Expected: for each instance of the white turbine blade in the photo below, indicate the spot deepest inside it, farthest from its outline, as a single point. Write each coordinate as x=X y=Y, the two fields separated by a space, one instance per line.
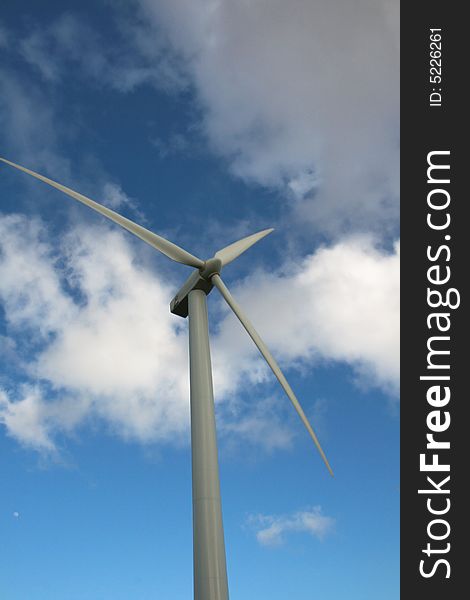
x=217 y=281
x=168 y=248
x=229 y=253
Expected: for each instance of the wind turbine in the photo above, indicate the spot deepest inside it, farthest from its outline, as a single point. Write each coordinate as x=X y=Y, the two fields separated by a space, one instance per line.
x=210 y=572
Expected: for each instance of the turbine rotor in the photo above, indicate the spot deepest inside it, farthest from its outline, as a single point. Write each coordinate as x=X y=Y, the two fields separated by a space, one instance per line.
x=211 y=267
x=205 y=276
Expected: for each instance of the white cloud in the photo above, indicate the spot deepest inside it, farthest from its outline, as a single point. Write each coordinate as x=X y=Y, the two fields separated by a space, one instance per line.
x=124 y=346
x=300 y=96
x=25 y=419
x=105 y=346
x=30 y=289
x=272 y=529
x=33 y=419
x=293 y=92
x=341 y=303
x=115 y=197
x=108 y=345
x=110 y=340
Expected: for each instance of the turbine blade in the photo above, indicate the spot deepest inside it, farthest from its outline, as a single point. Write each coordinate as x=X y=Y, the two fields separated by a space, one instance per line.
x=229 y=253
x=219 y=284
x=164 y=246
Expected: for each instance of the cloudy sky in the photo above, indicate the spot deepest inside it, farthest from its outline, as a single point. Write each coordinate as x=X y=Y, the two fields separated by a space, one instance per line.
x=204 y=121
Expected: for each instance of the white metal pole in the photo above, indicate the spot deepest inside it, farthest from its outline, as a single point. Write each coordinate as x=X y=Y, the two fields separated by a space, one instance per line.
x=210 y=571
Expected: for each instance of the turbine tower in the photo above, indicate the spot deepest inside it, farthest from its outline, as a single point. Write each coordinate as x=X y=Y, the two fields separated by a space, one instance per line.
x=210 y=572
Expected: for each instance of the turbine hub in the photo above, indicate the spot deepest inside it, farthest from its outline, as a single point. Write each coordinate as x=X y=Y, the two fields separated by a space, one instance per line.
x=211 y=267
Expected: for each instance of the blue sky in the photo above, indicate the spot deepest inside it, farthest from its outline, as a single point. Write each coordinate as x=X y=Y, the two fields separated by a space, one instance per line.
x=203 y=121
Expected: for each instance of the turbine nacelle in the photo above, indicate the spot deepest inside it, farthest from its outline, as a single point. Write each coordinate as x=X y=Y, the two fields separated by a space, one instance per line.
x=200 y=279
x=179 y=305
